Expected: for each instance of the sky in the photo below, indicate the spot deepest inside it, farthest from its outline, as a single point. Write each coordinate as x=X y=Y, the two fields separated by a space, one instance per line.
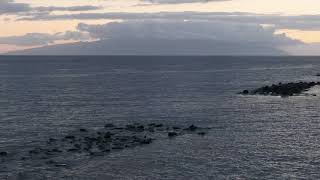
x=292 y=26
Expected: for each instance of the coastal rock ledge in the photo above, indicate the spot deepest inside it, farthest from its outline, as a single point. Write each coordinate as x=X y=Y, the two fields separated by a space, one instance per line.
x=282 y=89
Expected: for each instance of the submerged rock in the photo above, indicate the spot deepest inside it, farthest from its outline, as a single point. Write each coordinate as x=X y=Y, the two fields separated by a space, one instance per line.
x=245 y=92
x=202 y=133
x=69 y=137
x=101 y=141
x=83 y=130
x=3 y=153
x=191 y=128
x=158 y=125
x=110 y=125
x=172 y=134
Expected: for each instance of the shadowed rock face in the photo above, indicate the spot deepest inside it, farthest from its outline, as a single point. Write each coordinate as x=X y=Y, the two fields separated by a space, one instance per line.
x=101 y=142
x=284 y=90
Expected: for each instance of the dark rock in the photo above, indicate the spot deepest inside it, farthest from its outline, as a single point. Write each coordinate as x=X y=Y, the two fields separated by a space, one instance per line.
x=202 y=133
x=60 y=165
x=83 y=130
x=73 y=150
x=69 y=137
x=107 y=135
x=281 y=89
x=146 y=141
x=151 y=129
x=117 y=147
x=192 y=128
x=55 y=150
x=123 y=138
x=52 y=140
x=130 y=127
x=158 y=125
x=172 y=134
x=100 y=142
x=77 y=146
x=86 y=148
x=3 y=153
x=91 y=139
x=245 y=92
x=110 y=125
x=135 y=128
x=96 y=153
x=51 y=162
x=101 y=147
x=56 y=164
x=36 y=151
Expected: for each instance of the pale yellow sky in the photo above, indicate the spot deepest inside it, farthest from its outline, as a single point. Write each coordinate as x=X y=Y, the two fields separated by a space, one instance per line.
x=284 y=7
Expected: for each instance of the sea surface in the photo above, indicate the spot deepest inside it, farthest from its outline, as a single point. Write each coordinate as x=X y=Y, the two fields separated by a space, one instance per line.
x=252 y=137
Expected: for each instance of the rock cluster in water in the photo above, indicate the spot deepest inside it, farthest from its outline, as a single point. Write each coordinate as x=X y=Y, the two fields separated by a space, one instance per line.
x=286 y=89
x=105 y=140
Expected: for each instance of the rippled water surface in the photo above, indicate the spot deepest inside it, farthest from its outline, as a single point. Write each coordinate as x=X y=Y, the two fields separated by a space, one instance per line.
x=253 y=137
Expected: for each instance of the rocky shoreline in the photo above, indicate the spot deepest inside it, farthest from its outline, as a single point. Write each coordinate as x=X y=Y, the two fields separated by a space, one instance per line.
x=103 y=141
x=282 y=89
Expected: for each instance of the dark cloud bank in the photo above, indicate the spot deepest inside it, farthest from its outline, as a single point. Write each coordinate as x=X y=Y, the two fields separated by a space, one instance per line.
x=164 y=37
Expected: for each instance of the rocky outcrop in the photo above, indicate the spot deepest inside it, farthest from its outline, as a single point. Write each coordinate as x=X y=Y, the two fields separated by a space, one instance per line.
x=284 y=90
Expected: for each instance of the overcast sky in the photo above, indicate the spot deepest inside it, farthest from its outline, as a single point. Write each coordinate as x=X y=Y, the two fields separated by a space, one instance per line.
x=289 y=25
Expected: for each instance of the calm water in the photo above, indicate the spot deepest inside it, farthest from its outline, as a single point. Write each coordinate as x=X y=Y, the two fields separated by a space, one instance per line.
x=253 y=137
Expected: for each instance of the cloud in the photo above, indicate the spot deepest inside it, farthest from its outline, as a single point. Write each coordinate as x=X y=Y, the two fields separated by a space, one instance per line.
x=8 y=6
x=160 y=37
x=195 y=30
x=301 y=22
x=71 y=8
x=312 y=49
x=181 y=1
x=40 y=39
x=191 y=29
x=14 y=8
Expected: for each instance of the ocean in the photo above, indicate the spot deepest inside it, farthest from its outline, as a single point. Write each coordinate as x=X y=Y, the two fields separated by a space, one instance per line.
x=251 y=137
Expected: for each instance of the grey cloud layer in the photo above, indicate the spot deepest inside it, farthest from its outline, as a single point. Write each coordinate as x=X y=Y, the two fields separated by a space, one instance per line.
x=194 y=29
x=8 y=6
x=198 y=30
x=11 y=7
x=303 y=22
x=39 y=39
x=181 y=1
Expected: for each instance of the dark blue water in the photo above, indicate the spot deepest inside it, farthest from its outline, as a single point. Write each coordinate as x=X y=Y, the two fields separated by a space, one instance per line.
x=253 y=137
